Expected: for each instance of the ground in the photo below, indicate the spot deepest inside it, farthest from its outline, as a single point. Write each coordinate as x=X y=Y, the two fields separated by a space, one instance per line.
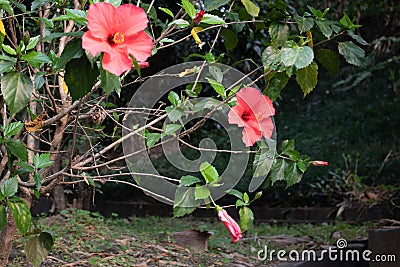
x=89 y=239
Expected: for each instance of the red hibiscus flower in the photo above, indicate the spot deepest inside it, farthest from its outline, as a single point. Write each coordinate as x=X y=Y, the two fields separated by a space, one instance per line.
x=253 y=112
x=119 y=33
x=231 y=225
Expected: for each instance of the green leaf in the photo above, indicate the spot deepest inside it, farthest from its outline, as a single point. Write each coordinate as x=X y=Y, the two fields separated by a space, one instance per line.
x=3 y=217
x=80 y=77
x=303 y=23
x=17 y=90
x=275 y=85
x=347 y=23
x=307 y=78
x=166 y=10
x=32 y=42
x=246 y=198
x=6 y=64
x=181 y=23
x=110 y=82
x=325 y=27
x=46 y=240
x=188 y=180
x=251 y=8
x=9 y=50
x=115 y=3
x=9 y=187
x=21 y=213
x=300 y=57
x=293 y=174
x=246 y=218
x=72 y=50
x=184 y=201
x=18 y=149
x=35 y=59
x=263 y=161
x=202 y=192
x=235 y=193
x=174 y=98
x=174 y=113
x=279 y=34
x=38 y=180
x=352 y=53
x=329 y=60
x=218 y=87
x=270 y=56
x=209 y=173
x=214 y=4
x=42 y=160
x=216 y=73
x=287 y=146
x=170 y=129
x=152 y=139
x=12 y=129
x=240 y=203
x=5 y=4
x=212 y=19
x=39 y=3
x=189 y=8
x=35 y=251
x=78 y=16
x=57 y=35
x=230 y=38
x=278 y=171
x=357 y=38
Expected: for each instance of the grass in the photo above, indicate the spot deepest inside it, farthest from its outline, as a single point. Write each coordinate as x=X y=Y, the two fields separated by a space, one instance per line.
x=83 y=238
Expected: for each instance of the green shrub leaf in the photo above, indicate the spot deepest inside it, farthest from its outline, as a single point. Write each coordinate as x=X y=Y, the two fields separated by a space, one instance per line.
x=17 y=90
x=21 y=213
x=352 y=53
x=307 y=78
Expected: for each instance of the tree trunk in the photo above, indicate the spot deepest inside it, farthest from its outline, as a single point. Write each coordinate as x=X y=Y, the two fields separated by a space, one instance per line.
x=6 y=239
x=59 y=198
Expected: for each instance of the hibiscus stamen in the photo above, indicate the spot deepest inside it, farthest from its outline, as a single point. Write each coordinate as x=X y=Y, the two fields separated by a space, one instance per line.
x=117 y=38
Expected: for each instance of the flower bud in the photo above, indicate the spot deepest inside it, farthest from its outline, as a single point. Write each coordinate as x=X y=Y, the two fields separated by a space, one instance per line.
x=26 y=38
x=319 y=163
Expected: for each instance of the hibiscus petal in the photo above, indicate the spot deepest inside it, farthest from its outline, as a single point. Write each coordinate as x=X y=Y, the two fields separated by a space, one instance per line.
x=256 y=102
x=250 y=135
x=266 y=127
x=101 y=20
x=130 y=19
x=94 y=45
x=139 y=46
x=235 y=116
x=116 y=62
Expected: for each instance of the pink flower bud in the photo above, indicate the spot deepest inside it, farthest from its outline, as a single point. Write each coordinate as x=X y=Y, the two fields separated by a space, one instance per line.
x=144 y=65
x=198 y=17
x=231 y=225
x=319 y=163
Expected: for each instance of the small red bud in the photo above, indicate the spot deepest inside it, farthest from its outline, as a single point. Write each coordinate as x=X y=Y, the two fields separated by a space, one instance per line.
x=319 y=163
x=198 y=17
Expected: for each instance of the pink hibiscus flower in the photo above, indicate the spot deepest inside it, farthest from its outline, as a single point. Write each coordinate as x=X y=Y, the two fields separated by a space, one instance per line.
x=231 y=225
x=253 y=112
x=119 y=33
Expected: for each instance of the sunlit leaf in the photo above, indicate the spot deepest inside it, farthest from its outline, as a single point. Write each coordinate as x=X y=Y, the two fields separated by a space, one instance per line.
x=21 y=213
x=352 y=53
x=17 y=90
x=246 y=218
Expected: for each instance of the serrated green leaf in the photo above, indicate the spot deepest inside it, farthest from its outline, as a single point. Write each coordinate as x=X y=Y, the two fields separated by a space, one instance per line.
x=174 y=113
x=218 y=87
x=235 y=193
x=188 y=180
x=35 y=59
x=230 y=38
x=72 y=50
x=209 y=173
x=287 y=146
x=357 y=38
x=304 y=23
x=3 y=217
x=307 y=78
x=263 y=161
x=279 y=34
x=167 y=11
x=21 y=214
x=216 y=73
x=270 y=56
x=352 y=53
x=246 y=218
x=212 y=19
x=293 y=174
x=9 y=187
x=189 y=8
x=110 y=82
x=35 y=251
x=12 y=129
x=7 y=65
x=170 y=129
x=42 y=161
x=251 y=8
x=174 y=98
x=17 y=90
x=300 y=57
x=214 y=4
x=18 y=149
x=202 y=192
x=152 y=139
x=80 y=76
x=325 y=27
x=181 y=23
x=275 y=85
x=278 y=171
x=184 y=201
x=329 y=60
